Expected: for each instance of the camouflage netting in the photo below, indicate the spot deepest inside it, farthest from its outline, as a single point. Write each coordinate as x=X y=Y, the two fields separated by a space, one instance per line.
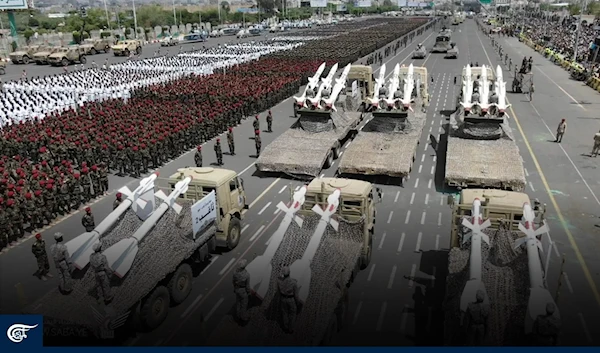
x=304 y=148
x=331 y=268
x=483 y=155
x=505 y=276
x=385 y=146
x=161 y=251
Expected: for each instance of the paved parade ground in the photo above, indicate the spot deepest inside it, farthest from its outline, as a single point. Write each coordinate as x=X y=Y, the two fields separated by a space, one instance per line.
x=398 y=299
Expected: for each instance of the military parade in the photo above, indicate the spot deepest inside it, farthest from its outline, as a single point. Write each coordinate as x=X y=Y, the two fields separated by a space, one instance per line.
x=389 y=158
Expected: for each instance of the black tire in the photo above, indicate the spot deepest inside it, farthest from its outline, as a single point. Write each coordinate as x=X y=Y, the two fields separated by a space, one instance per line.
x=329 y=160
x=233 y=233
x=2 y=71
x=138 y=50
x=93 y=51
x=25 y=60
x=64 y=62
x=82 y=59
x=332 y=329
x=155 y=308
x=365 y=258
x=180 y=284
x=126 y=52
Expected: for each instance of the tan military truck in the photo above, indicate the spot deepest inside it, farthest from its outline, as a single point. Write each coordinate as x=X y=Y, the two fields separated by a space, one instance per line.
x=126 y=47
x=162 y=272
x=41 y=57
x=25 y=54
x=363 y=75
x=67 y=56
x=94 y=46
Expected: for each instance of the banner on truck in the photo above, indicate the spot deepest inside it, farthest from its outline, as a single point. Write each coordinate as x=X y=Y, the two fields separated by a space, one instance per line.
x=204 y=212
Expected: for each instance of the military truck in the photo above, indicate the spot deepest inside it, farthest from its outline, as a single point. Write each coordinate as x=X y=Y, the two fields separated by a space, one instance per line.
x=94 y=46
x=67 y=56
x=481 y=150
x=388 y=142
x=2 y=67
x=25 y=54
x=363 y=75
x=338 y=259
x=126 y=47
x=162 y=272
x=442 y=41
x=41 y=57
x=452 y=53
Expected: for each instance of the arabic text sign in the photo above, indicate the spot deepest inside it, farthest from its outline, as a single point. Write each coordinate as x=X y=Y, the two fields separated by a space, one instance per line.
x=318 y=3
x=13 y=5
x=204 y=212
x=362 y=3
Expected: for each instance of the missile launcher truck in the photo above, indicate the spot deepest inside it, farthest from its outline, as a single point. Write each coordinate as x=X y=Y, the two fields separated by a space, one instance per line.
x=481 y=150
x=498 y=266
x=388 y=142
x=161 y=271
x=338 y=258
x=314 y=141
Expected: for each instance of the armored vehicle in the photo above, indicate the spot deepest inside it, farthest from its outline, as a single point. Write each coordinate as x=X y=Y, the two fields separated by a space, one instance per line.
x=25 y=54
x=206 y=214
x=420 y=52
x=481 y=148
x=388 y=142
x=169 y=42
x=67 y=56
x=126 y=47
x=452 y=53
x=334 y=263
x=94 y=46
x=442 y=41
x=41 y=57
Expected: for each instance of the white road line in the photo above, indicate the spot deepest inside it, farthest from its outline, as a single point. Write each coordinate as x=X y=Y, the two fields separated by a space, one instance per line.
x=441 y=200
x=436 y=109
x=371 y=273
x=189 y=308
x=397 y=195
x=569 y=286
x=212 y=311
x=526 y=172
x=297 y=188
x=407 y=217
x=257 y=233
x=404 y=319
x=419 y=237
x=277 y=210
x=390 y=217
x=426 y=199
x=322 y=175
x=226 y=267
x=420 y=168
x=429 y=183
x=423 y=218
x=245 y=227
x=531 y=187
x=356 y=313
x=246 y=169
x=417 y=183
x=433 y=277
x=392 y=277
x=401 y=241
x=381 y=316
x=585 y=328
x=282 y=189
x=432 y=170
x=422 y=158
x=430 y=128
x=440 y=130
x=434 y=158
x=437 y=242
x=212 y=261
x=440 y=219
x=413 y=270
x=382 y=239
x=412 y=198
x=556 y=250
x=264 y=208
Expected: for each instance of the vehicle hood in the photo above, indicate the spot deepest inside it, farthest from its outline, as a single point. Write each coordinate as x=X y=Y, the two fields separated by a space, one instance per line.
x=41 y=54
x=19 y=53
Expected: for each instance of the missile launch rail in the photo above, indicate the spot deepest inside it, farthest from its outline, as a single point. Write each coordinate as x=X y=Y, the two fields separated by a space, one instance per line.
x=339 y=258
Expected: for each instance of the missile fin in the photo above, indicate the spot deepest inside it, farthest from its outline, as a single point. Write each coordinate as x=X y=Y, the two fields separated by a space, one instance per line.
x=467 y=224
x=485 y=238
x=161 y=195
x=523 y=229
x=282 y=207
x=177 y=208
x=317 y=209
x=519 y=242
x=141 y=203
x=542 y=230
x=335 y=224
x=467 y=237
x=125 y=190
x=299 y=221
x=486 y=224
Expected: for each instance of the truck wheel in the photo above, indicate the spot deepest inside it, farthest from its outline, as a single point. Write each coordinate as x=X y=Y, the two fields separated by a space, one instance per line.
x=82 y=59
x=107 y=49
x=233 y=233
x=155 y=308
x=138 y=50
x=180 y=284
x=365 y=258
x=332 y=329
x=329 y=160
x=93 y=51
x=25 y=60
x=64 y=62
x=126 y=52
x=2 y=71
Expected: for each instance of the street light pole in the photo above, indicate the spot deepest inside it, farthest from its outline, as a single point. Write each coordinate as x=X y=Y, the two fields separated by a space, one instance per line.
x=174 y=14
x=134 y=20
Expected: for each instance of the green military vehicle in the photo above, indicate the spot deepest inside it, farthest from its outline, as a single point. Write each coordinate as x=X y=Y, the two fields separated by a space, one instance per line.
x=41 y=57
x=67 y=56
x=95 y=46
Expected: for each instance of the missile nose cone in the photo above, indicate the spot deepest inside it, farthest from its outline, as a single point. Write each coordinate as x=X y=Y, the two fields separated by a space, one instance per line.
x=157 y=173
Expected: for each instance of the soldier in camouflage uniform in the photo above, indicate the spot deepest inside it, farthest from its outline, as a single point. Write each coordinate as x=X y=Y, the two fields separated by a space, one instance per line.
x=38 y=248
x=76 y=191
x=219 y=152
x=50 y=203
x=103 y=177
x=477 y=316
x=257 y=142
x=4 y=227
x=99 y=265
x=64 y=198
x=118 y=200
x=16 y=220
x=145 y=158
x=546 y=327
x=269 y=122
x=95 y=177
x=136 y=161
x=241 y=288
x=62 y=261
x=86 y=185
x=288 y=292
x=230 y=141
x=198 y=156
x=88 y=220
x=256 y=125
x=121 y=161
x=154 y=154
x=35 y=221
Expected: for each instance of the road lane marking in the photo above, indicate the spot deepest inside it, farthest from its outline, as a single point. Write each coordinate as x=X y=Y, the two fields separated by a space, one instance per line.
x=412 y=198
x=212 y=261
x=432 y=170
x=322 y=175
x=434 y=159
x=531 y=187
x=371 y=273
x=189 y=308
x=407 y=217
x=282 y=189
x=585 y=328
x=417 y=183
x=246 y=169
x=526 y=172
x=426 y=199
x=264 y=208
x=245 y=227
x=437 y=242
x=257 y=233
x=401 y=241
x=392 y=277
x=422 y=158
x=264 y=193
x=429 y=183
x=423 y=218
x=441 y=200
x=390 y=216
x=420 y=168
x=419 y=237
x=440 y=219
x=226 y=267
x=382 y=240
x=413 y=270
x=569 y=286
x=381 y=316
x=357 y=312
x=397 y=195
x=214 y=308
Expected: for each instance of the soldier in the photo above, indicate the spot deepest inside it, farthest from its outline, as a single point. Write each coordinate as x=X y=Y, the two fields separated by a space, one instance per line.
x=477 y=320
x=76 y=190
x=241 y=288
x=560 y=131
x=256 y=125
x=88 y=220
x=230 y=142
x=86 y=184
x=35 y=221
x=269 y=122
x=257 y=142
x=38 y=248
x=62 y=261
x=145 y=158
x=118 y=200
x=596 y=148
x=121 y=157
x=219 y=152
x=288 y=291
x=198 y=157
x=137 y=162
x=64 y=199
x=546 y=327
x=16 y=220
x=99 y=264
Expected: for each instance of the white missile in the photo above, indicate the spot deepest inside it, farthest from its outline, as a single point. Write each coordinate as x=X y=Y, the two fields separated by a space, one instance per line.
x=539 y=296
x=300 y=269
x=485 y=90
x=476 y=225
x=121 y=255
x=409 y=85
x=379 y=82
x=394 y=84
x=501 y=91
x=467 y=88
x=80 y=248
x=260 y=268
x=312 y=83
x=327 y=81
x=340 y=84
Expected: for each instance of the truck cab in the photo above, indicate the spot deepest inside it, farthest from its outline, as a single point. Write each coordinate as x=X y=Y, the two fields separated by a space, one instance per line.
x=230 y=198
x=363 y=75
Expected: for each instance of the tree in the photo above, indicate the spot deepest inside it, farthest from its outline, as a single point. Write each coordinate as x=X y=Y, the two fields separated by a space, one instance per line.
x=225 y=7
x=388 y=3
x=28 y=34
x=574 y=9
x=33 y=22
x=267 y=5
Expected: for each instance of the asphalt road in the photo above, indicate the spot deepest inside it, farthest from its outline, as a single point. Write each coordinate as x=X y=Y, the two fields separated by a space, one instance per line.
x=412 y=232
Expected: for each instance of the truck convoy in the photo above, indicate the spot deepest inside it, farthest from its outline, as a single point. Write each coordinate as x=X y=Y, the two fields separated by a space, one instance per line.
x=314 y=141
x=497 y=249
x=442 y=41
x=481 y=148
x=388 y=142
x=325 y=238
x=151 y=242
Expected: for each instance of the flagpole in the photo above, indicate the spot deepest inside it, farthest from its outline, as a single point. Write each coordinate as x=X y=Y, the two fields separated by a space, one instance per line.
x=107 y=18
x=134 y=20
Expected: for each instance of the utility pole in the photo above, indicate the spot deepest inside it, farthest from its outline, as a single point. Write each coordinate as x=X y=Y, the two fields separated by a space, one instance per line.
x=83 y=14
x=107 y=18
x=174 y=14
x=134 y=20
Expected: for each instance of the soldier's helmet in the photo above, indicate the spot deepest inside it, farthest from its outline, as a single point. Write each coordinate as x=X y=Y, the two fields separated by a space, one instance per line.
x=285 y=272
x=119 y=195
x=199 y=148
x=88 y=209
x=230 y=129
x=97 y=247
x=218 y=140
x=242 y=264
x=38 y=236
x=58 y=236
